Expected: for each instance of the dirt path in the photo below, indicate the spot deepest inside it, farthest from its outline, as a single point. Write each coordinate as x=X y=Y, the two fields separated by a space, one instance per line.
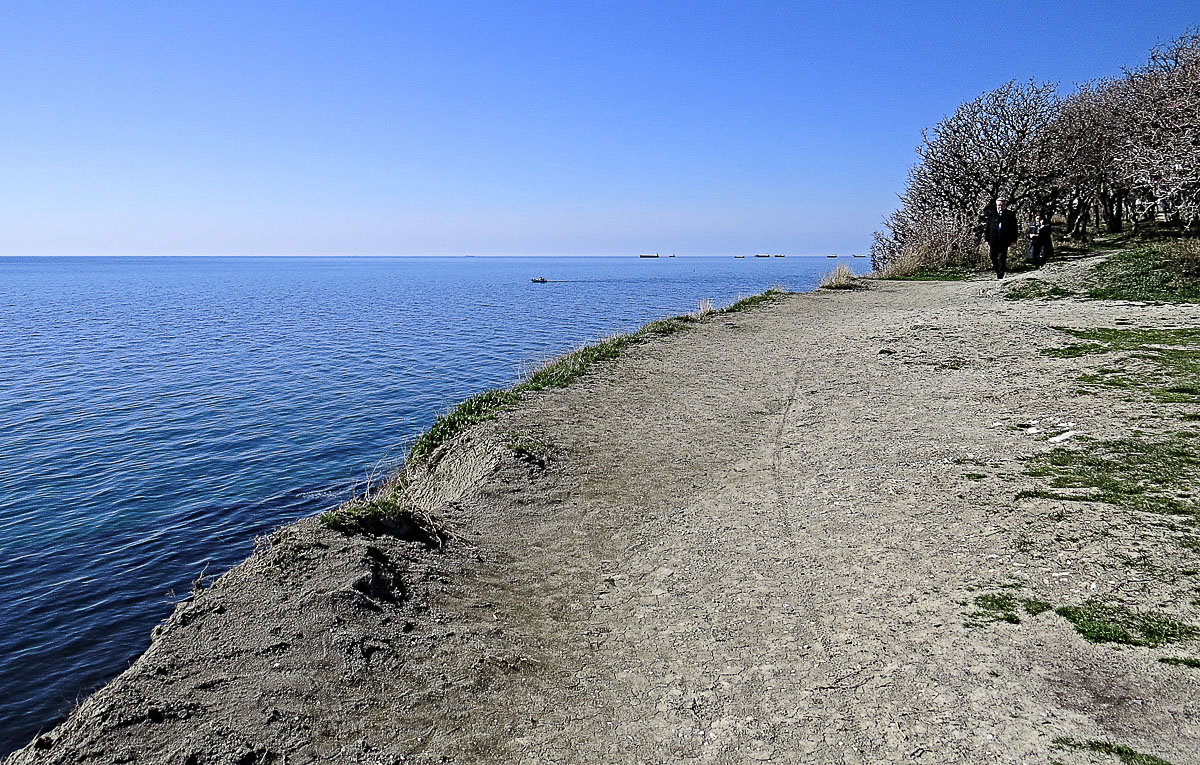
x=756 y=540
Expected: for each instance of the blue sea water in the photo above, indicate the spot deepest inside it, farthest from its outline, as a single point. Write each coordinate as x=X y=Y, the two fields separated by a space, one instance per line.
x=157 y=414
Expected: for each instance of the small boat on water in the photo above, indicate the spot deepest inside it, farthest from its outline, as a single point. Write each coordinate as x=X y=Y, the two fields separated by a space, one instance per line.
x=860 y=256
x=763 y=255
x=779 y=256
x=831 y=256
x=671 y=255
x=736 y=257
x=539 y=280
x=648 y=255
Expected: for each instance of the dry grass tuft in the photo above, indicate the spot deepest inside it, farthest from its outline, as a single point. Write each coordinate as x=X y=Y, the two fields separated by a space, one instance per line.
x=706 y=307
x=906 y=264
x=842 y=278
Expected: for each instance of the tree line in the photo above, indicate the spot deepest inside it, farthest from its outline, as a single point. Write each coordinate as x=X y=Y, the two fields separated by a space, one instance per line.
x=1115 y=153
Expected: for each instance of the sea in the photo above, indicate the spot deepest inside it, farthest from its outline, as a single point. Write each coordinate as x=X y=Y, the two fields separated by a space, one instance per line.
x=157 y=414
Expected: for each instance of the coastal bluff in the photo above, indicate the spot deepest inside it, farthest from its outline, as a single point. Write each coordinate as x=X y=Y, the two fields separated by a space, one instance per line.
x=763 y=538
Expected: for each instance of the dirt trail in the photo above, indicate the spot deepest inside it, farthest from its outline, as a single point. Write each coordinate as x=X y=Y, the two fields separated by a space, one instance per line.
x=755 y=540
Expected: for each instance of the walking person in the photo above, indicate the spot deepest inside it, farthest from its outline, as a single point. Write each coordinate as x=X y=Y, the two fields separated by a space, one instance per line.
x=1000 y=232
x=1041 y=246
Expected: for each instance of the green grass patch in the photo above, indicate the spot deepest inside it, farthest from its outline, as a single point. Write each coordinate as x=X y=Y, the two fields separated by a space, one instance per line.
x=947 y=274
x=478 y=408
x=1134 y=473
x=384 y=514
x=1033 y=607
x=1106 y=623
x=1126 y=755
x=1181 y=661
x=1035 y=289
x=1172 y=356
x=557 y=374
x=1157 y=273
x=1189 y=543
x=1002 y=607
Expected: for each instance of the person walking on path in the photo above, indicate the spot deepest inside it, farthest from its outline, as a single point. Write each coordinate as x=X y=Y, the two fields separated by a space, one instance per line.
x=1041 y=246
x=1000 y=232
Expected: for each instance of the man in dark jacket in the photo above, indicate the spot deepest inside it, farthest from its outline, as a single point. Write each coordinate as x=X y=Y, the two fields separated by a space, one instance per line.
x=1000 y=232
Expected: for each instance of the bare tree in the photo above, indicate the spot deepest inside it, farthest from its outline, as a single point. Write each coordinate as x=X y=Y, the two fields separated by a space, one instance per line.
x=996 y=145
x=1086 y=135
x=1160 y=157
x=992 y=146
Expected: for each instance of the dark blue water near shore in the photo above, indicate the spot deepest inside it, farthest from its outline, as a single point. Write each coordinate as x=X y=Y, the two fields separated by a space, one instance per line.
x=156 y=414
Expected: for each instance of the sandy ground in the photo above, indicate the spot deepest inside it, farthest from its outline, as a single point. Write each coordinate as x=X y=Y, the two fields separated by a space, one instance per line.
x=757 y=540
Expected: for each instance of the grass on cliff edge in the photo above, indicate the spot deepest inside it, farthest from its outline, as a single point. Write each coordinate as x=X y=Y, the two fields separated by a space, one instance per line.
x=377 y=514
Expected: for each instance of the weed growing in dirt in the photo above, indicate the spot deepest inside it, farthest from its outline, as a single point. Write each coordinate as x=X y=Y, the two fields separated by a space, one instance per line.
x=1036 y=289
x=1134 y=473
x=1033 y=607
x=1107 y=623
x=1180 y=661
x=557 y=373
x=1126 y=755
x=479 y=408
x=384 y=513
x=1095 y=621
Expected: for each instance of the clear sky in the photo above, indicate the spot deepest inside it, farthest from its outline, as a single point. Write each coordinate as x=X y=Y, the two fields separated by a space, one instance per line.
x=597 y=127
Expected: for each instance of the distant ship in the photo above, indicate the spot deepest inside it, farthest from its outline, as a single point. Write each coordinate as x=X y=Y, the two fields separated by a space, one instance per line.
x=831 y=256
x=671 y=255
x=739 y=256
x=779 y=256
x=762 y=255
x=539 y=280
x=648 y=255
x=860 y=256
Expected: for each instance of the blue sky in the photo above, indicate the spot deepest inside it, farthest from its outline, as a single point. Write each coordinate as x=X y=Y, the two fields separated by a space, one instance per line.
x=502 y=127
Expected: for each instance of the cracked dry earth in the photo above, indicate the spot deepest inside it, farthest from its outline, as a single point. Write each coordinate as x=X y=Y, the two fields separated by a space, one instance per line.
x=756 y=540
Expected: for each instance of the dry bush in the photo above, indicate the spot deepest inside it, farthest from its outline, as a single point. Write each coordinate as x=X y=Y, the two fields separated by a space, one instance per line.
x=706 y=307
x=924 y=243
